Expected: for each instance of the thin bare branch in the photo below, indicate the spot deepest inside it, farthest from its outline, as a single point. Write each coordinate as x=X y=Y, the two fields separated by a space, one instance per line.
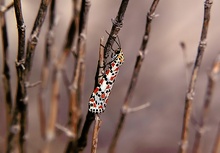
x=45 y=68
x=33 y=39
x=138 y=64
x=31 y=85
x=212 y=76
x=116 y=27
x=17 y=128
x=90 y=117
x=127 y=110
x=65 y=130
x=191 y=89
x=6 y=69
x=78 y=74
x=216 y=147
x=97 y=126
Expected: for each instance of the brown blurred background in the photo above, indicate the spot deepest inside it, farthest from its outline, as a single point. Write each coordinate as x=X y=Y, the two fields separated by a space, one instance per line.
x=162 y=80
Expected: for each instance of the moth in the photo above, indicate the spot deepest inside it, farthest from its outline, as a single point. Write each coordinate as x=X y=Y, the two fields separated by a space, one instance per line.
x=99 y=98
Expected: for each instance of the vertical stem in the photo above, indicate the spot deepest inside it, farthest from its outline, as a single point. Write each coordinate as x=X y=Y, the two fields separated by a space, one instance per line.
x=97 y=126
x=45 y=68
x=135 y=74
x=116 y=27
x=212 y=77
x=6 y=69
x=78 y=75
x=82 y=141
x=18 y=118
x=191 y=89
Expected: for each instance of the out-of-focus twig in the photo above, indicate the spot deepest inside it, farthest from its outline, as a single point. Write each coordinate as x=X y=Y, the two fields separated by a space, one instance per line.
x=4 y=8
x=6 y=69
x=58 y=68
x=188 y=64
x=191 y=88
x=67 y=132
x=45 y=69
x=96 y=129
x=212 y=76
x=19 y=120
x=90 y=117
x=78 y=75
x=216 y=147
x=138 y=64
x=16 y=126
x=116 y=27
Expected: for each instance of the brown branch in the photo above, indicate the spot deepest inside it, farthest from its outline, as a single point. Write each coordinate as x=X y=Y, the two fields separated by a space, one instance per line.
x=45 y=69
x=78 y=75
x=116 y=27
x=97 y=126
x=58 y=67
x=4 y=8
x=216 y=147
x=191 y=89
x=212 y=76
x=6 y=69
x=33 y=39
x=90 y=117
x=16 y=126
x=138 y=64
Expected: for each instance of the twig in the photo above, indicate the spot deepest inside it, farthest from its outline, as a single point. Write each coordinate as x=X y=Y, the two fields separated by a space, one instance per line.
x=90 y=117
x=16 y=126
x=58 y=67
x=65 y=130
x=31 y=85
x=33 y=39
x=4 y=8
x=191 y=89
x=212 y=76
x=127 y=110
x=216 y=147
x=6 y=69
x=78 y=74
x=97 y=126
x=188 y=64
x=116 y=27
x=138 y=64
x=45 y=68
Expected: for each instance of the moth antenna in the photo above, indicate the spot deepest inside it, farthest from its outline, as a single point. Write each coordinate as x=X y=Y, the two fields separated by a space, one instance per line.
x=118 y=43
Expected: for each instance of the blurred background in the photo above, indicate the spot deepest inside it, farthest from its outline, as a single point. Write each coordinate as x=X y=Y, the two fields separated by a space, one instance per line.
x=162 y=80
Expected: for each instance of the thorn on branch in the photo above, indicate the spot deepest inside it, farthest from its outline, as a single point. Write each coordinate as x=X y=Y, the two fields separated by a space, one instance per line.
x=203 y=43
x=116 y=23
x=20 y=63
x=208 y=4
x=151 y=16
x=34 y=39
x=22 y=27
x=190 y=95
x=184 y=145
